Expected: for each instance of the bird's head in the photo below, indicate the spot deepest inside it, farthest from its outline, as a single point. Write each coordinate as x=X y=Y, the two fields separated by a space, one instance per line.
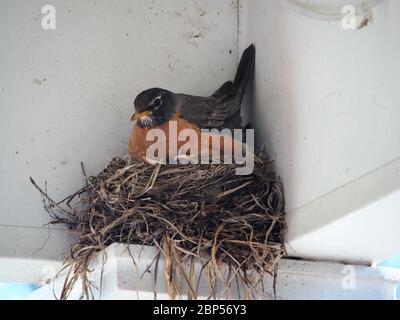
x=153 y=107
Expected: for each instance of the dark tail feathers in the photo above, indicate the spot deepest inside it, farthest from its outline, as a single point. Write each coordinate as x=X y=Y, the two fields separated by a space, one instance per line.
x=244 y=72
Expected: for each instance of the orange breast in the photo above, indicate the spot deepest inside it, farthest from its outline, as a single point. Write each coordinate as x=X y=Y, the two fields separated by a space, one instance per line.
x=137 y=142
x=138 y=145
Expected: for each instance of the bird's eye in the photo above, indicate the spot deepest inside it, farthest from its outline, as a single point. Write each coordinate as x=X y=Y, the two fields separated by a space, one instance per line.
x=157 y=102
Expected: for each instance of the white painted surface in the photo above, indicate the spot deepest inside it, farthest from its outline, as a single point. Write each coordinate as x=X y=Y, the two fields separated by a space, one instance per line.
x=326 y=103
x=357 y=223
x=329 y=9
x=296 y=280
x=66 y=95
x=30 y=255
x=326 y=99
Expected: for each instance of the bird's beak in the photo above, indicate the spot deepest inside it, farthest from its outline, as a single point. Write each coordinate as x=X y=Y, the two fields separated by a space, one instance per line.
x=138 y=115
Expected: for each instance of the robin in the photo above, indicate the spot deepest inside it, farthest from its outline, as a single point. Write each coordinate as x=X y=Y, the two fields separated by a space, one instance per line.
x=155 y=109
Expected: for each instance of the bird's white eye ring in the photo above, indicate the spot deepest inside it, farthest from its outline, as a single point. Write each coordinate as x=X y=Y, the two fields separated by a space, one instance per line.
x=157 y=102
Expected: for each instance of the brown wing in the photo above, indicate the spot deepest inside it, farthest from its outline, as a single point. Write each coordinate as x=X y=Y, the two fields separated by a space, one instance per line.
x=208 y=112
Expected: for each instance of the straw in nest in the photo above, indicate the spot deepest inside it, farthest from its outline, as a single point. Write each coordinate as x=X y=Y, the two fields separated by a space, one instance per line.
x=205 y=212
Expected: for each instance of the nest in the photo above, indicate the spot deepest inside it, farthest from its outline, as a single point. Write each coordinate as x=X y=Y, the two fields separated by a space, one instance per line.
x=205 y=212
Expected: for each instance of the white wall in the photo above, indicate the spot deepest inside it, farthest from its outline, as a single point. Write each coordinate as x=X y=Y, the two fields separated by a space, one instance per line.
x=66 y=95
x=357 y=223
x=326 y=102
